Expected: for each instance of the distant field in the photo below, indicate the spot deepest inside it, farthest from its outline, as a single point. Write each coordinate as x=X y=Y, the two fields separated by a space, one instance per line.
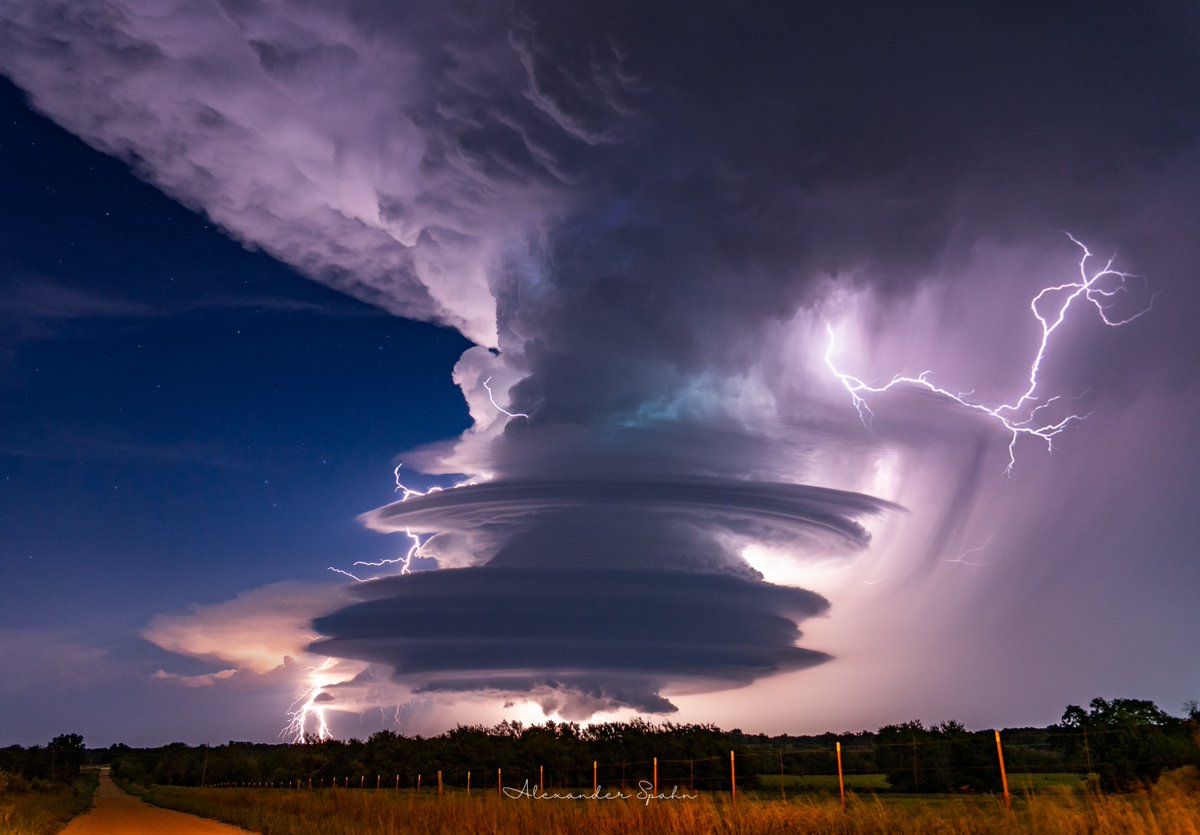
x=1017 y=783
x=822 y=782
x=1021 y=783
x=1174 y=807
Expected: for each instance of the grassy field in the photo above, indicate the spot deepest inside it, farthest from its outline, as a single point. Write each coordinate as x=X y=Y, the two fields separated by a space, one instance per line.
x=820 y=782
x=1172 y=808
x=1023 y=783
x=41 y=808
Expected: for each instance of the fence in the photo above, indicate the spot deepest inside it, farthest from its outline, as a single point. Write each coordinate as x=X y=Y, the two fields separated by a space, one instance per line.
x=898 y=758
x=564 y=781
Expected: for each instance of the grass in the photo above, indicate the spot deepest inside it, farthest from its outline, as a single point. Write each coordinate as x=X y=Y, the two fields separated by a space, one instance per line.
x=1171 y=808
x=1024 y=783
x=41 y=808
x=821 y=782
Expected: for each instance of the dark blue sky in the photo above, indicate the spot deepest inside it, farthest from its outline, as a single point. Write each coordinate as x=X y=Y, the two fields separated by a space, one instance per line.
x=181 y=417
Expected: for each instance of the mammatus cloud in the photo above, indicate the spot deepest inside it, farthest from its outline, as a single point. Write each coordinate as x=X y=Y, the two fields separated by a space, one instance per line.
x=646 y=219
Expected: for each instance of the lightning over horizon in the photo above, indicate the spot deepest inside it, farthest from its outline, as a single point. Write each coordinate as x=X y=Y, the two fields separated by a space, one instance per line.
x=297 y=728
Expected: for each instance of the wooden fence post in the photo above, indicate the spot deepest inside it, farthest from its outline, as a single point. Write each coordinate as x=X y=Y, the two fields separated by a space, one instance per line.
x=782 y=793
x=732 y=778
x=841 y=780
x=1003 y=773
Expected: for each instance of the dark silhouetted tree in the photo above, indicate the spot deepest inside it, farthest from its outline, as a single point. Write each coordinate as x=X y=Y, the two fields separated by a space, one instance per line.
x=66 y=756
x=1126 y=742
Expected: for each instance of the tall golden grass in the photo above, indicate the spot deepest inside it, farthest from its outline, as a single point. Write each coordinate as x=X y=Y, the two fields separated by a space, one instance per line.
x=41 y=808
x=1170 y=808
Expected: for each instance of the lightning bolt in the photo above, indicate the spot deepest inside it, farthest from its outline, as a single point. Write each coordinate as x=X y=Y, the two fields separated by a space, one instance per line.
x=407 y=492
x=305 y=710
x=498 y=406
x=305 y=707
x=962 y=558
x=1101 y=288
x=414 y=550
x=404 y=562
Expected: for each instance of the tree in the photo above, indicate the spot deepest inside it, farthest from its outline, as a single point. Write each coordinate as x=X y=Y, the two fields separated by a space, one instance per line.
x=1125 y=742
x=941 y=758
x=66 y=756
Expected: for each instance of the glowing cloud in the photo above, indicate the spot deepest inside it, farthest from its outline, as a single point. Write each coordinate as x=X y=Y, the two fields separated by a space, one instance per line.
x=257 y=630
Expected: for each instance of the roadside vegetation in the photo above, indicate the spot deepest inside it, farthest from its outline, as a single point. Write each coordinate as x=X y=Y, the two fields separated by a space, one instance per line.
x=43 y=788
x=1172 y=806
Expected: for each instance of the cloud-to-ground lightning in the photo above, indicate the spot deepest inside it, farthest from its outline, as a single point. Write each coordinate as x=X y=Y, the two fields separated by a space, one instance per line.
x=1100 y=288
x=305 y=709
x=498 y=406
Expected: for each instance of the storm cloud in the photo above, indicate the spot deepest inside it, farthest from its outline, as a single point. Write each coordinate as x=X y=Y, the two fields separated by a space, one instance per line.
x=645 y=217
x=602 y=637
x=595 y=594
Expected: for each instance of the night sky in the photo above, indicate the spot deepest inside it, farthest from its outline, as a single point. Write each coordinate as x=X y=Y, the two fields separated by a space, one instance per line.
x=604 y=272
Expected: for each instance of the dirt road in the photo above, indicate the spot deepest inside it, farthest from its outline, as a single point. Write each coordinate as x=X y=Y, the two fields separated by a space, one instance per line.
x=116 y=813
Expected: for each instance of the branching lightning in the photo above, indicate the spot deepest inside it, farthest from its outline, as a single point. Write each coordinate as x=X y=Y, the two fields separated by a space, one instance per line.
x=305 y=711
x=1020 y=417
x=962 y=558
x=414 y=550
x=404 y=562
x=498 y=406
x=407 y=492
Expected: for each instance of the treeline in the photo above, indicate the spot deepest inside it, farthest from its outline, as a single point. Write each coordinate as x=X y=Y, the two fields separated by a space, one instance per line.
x=59 y=761
x=1120 y=744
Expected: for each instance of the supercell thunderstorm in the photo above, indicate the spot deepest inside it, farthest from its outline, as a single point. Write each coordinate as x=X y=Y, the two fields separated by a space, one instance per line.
x=649 y=222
